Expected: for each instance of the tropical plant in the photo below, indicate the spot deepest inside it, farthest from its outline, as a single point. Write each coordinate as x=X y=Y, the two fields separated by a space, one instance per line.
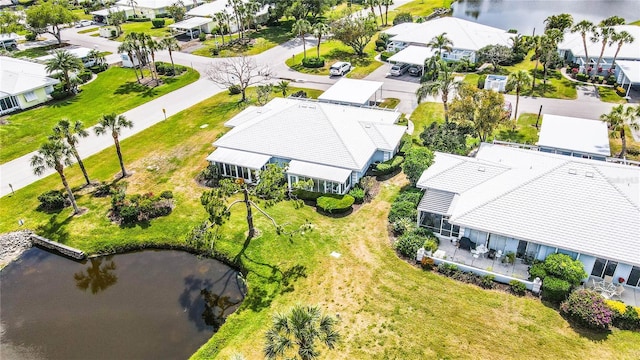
x=620 y=38
x=152 y=46
x=300 y=28
x=617 y=119
x=560 y=22
x=64 y=62
x=439 y=43
x=282 y=87
x=417 y=160
x=518 y=81
x=295 y=335
x=444 y=84
x=536 y=44
x=55 y=154
x=222 y=18
x=177 y=10
x=170 y=44
x=71 y=134
x=115 y=124
x=319 y=30
x=587 y=308
x=604 y=33
x=584 y=27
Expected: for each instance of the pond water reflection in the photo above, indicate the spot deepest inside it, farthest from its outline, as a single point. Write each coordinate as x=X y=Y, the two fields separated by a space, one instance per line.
x=524 y=15
x=143 y=305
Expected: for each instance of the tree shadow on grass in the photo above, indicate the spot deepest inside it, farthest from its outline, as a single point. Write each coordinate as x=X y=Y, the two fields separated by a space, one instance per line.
x=65 y=102
x=511 y=135
x=130 y=87
x=55 y=229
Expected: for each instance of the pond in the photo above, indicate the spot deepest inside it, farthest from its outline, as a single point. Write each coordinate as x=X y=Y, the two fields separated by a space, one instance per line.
x=142 y=305
x=524 y=15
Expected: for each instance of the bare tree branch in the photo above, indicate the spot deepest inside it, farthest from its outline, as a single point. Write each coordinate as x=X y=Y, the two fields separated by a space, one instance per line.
x=240 y=71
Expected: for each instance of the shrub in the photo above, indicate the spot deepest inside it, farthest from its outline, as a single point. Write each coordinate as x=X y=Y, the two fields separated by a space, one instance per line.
x=31 y=36
x=408 y=244
x=517 y=287
x=402 y=209
x=380 y=43
x=599 y=79
x=138 y=19
x=358 y=195
x=313 y=62
x=486 y=281
x=160 y=68
x=430 y=244
x=300 y=94
x=413 y=195
x=157 y=23
x=582 y=77
x=611 y=80
x=587 y=308
x=624 y=316
x=138 y=208
x=102 y=190
x=481 y=80
x=402 y=17
x=114 y=33
x=403 y=225
x=447 y=269
x=427 y=263
x=98 y=68
x=621 y=91
x=390 y=165
x=167 y=194
x=235 y=90
x=563 y=267
x=59 y=94
x=385 y=55
x=202 y=37
x=85 y=76
x=555 y=290
x=307 y=195
x=537 y=270
x=52 y=200
x=335 y=203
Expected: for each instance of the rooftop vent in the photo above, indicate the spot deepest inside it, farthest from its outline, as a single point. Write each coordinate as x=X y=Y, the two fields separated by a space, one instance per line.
x=481 y=168
x=588 y=174
x=573 y=171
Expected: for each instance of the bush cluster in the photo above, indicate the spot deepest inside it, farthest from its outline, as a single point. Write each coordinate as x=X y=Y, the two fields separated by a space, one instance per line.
x=313 y=62
x=157 y=23
x=560 y=266
x=582 y=77
x=587 y=308
x=307 y=195
x=167 y=69
x=555 y=290
x=390 y=165
x=139 y=208
x=234 y=89
x=517 y=287
x=98 y=68
x=52 y=200
x=358 y=194
x=410 y=242
x=102 y=190
x=335 y=204
x=403 y=213
x=625 y=317
x=138 y=19
x=31 y=36
x=452 y=271
x=85 y=76
x=385 y=55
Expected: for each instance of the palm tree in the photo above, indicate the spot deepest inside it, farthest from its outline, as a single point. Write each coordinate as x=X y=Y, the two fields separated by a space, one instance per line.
x=320 y=29
x=444 y=84
x=617 y=119
x=133 y=4
x=171 y=44
x=386 y=4
x=71 y=134
x=549 y=48
x=518 y=80
x=440 y=42
x=621 y=38
x=152 y=46
x=604 y=34
x=584 y=27
x=536 y=42
x=128 y=47
x=372 y=4
x=301 y=28
x=299 y=330
x=65 y=62
x=54 y=154
x=283 y=87
x=115 y=124
x=221 y=19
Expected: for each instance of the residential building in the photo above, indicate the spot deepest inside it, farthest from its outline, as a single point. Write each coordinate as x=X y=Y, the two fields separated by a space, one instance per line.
x=152 y=8
x=81 y=53
x=23 y=84
x=353 y=92
x=574 y=137
x=533 y=204
x=208 y=10
x=331 y=144
x=410 y=41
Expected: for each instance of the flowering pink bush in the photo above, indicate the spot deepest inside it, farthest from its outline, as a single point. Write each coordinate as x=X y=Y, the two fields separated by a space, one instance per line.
x=588 y=308
x=574 y=70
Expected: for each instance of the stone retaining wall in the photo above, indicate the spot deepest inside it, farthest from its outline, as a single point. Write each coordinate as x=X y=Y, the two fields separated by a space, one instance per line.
x=60 y=248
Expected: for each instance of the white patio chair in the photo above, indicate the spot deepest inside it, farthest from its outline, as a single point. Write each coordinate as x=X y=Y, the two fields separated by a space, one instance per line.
x=608 y=279
x=618 y=292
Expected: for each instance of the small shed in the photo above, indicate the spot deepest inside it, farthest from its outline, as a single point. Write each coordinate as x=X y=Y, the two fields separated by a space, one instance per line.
x=496 y=83
x=574 y=137
x=353 y=92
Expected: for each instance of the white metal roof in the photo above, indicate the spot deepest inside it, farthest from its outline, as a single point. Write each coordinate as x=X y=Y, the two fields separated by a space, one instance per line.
x=573 y=42
x=191 y=23
x=400 y=28
x=351 y=91
x=554 y=200
x=631 y=70
x=155 y=4
x=315 y=132
x=210 y=8
x=19 y=76
x=436 y=201
x=412 y=54
x=317 y=171
x=570 y=133
x=113 y=9
x=240 y=158
x=464 y=34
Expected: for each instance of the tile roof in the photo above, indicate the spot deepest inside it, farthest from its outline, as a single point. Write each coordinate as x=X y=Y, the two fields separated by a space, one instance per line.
x=19 y=76
x=573 y=42
x=577 y=204
x=351 y=91
x=570 y=133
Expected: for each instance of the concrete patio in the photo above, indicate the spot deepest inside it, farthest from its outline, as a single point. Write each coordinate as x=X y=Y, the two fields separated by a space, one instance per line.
x=630 y=296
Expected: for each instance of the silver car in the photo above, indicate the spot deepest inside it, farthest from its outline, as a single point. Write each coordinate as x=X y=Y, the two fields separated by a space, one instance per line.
x=340 y=68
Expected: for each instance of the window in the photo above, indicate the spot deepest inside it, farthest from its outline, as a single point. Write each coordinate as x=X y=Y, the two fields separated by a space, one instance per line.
x=30 y=96
x=634 y=277
x=604 y=267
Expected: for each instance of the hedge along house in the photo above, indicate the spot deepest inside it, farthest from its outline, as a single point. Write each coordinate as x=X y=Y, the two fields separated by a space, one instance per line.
x=467 y=38
x=23 y=84
x=533 y=204
x=331 y=144
x=154 y=8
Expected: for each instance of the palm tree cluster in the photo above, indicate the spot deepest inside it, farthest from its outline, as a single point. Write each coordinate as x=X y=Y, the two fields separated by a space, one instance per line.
x=143 y=48
x=384 y=18
x=618 y=119
x=303 y=27
x=243 y=13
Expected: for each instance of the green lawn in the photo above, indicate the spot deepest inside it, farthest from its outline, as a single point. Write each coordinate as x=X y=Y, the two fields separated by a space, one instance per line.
x=389 y=103
x=424 y=115
x=145 y=27
x=88 y=30
x=388 y=308
x=37 y=52
x=333 y=51
x=264 y=40
x=609 y=94
x=422 y=7
x=115 y=90
x=81 y=15
x=523 y=131
x=637 y=22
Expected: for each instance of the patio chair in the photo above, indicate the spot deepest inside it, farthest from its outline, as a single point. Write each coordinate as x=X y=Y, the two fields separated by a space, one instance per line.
x=618 y=292
x=608 y=279
x=466 y=244
x=492 y=254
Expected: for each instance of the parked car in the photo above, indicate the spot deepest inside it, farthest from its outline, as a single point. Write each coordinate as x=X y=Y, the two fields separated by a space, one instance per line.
x=8 y=44
x=399 y=69
x=83 y=23
x=414 y=70
x=340 y=68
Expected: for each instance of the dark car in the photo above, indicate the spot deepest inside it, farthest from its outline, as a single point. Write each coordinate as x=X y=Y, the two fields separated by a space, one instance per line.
x=415 y=70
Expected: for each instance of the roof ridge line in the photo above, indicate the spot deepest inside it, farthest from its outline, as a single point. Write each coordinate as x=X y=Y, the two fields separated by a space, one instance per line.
x=333 y=128
x=615 y=187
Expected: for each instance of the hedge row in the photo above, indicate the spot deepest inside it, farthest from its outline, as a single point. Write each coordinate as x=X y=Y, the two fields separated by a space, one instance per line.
x=313 y=62
x=335 y=204
x=390 y=165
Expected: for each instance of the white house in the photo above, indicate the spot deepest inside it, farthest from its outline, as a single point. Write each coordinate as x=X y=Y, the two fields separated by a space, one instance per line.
x=208 y=10
x=81 y=53
x=574 y=137
x=353 y=92
x=23 y=84
x=331 y=144
x=533 y=204
x=102 y=16
x=467 y=38
x=152 y=8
